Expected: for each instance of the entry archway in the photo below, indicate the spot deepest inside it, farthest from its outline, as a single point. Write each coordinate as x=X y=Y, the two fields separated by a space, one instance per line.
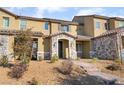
x=63 y=48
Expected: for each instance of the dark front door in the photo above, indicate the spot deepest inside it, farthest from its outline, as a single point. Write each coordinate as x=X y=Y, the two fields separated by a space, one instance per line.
x=60 y=49
x=34 y=49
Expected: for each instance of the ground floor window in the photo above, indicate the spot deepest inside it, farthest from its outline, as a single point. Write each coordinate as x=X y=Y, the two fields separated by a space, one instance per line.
x=79 y=50
x=79 y=47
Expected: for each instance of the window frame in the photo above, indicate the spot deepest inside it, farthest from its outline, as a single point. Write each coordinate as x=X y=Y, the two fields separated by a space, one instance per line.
x=46 y=26
x=23 y=26
x=63 y=29
x=121 y=24
x=98 y=25
x=6 y=25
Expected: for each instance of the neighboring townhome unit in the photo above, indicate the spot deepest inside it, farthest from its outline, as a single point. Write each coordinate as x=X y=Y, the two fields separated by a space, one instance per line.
x=50 y=36
x=65 y=39
x=115 y=22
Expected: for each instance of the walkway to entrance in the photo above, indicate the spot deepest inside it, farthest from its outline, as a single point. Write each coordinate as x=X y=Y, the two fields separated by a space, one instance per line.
x=94 y=71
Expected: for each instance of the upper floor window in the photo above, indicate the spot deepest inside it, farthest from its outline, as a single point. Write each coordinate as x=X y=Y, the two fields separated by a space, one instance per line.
x=23 y=24
x=98 y=25
x=121 y=23
x=46 y=26
x=6 y=22
x=107 y=26
x=65 y=28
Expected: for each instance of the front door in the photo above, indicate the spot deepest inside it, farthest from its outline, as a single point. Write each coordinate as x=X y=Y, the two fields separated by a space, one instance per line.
x=34 y=49
x=60 y=49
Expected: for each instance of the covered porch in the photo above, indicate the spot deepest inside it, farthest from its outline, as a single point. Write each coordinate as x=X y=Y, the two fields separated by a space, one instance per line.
x=63 y=45
x=83 y=46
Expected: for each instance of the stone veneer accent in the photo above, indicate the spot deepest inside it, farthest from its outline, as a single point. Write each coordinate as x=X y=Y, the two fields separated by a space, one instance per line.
x=72 y=45
x=105 y=47
x=4 y=47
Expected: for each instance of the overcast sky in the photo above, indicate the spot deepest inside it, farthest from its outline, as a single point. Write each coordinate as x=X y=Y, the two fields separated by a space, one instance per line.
x=65 y=13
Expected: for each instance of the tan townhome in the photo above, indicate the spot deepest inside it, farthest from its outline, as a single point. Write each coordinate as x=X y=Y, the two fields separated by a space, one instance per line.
x=50 y=36
x=90 y=26
x=66 y=39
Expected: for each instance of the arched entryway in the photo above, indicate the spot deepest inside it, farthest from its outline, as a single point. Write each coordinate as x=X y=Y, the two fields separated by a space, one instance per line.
x=63 y=48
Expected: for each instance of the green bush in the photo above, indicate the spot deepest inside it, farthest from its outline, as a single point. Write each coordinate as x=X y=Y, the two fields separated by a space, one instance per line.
x=4 y=61
x=118 y=61
x=94 y=60
x=25 y=59
x=54 y=59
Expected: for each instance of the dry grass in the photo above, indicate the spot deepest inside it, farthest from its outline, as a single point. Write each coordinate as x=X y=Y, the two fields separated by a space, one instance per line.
x=43 y=72
x=102 y=64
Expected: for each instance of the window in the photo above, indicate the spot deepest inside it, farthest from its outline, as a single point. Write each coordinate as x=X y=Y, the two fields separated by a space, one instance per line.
x=5 y=22
x=46 y=26
x=79 y=47
x=98 y=25
x=64 y=28
x=107 y=26
x=121 y=24
x=23 y=24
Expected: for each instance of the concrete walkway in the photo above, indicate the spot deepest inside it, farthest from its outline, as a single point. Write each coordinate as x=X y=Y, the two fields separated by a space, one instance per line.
x=94 y=71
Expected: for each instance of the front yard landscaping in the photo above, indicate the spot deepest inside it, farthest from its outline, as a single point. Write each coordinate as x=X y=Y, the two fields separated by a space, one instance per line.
x=46 y=73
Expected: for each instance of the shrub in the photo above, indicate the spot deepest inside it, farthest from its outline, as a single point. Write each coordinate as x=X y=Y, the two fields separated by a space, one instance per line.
x=33 y=82
x=66 y=67
x=78 y=58
x=4 y=61
x=94 y=60
x=113 y=67
x=25 y=59
x=18 y=70
x=54 y=58
x=118 y=61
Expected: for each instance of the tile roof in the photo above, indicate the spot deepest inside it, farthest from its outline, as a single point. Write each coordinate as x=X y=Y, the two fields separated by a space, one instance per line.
x=40 y=19
x=83 y=38
x=110 y=32
x=60 y=21
x=59 y=33
x=94 y=15
x=14 y=32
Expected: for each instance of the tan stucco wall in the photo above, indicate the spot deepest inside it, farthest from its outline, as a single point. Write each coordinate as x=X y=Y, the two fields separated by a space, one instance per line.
x=13 y=22
x=102 y=29
x=111 y=24
x=40 y=44
x=114 y=23
x=86 y=27
x=11 y=43
x=85 y=48
x=46 y=45
x=65 y=48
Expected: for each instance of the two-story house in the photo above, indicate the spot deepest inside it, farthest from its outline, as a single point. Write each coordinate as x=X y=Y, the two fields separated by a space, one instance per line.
x=50 y=36
x=66 y=39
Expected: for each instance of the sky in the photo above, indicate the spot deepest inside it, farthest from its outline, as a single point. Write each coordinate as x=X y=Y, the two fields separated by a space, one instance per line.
x=66 y=13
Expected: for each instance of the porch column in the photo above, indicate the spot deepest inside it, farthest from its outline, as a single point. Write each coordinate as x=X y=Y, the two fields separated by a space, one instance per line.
x=72 y=49
x=54 y=46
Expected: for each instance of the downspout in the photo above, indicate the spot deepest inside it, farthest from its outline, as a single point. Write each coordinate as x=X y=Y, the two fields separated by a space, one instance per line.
x=50 y=28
